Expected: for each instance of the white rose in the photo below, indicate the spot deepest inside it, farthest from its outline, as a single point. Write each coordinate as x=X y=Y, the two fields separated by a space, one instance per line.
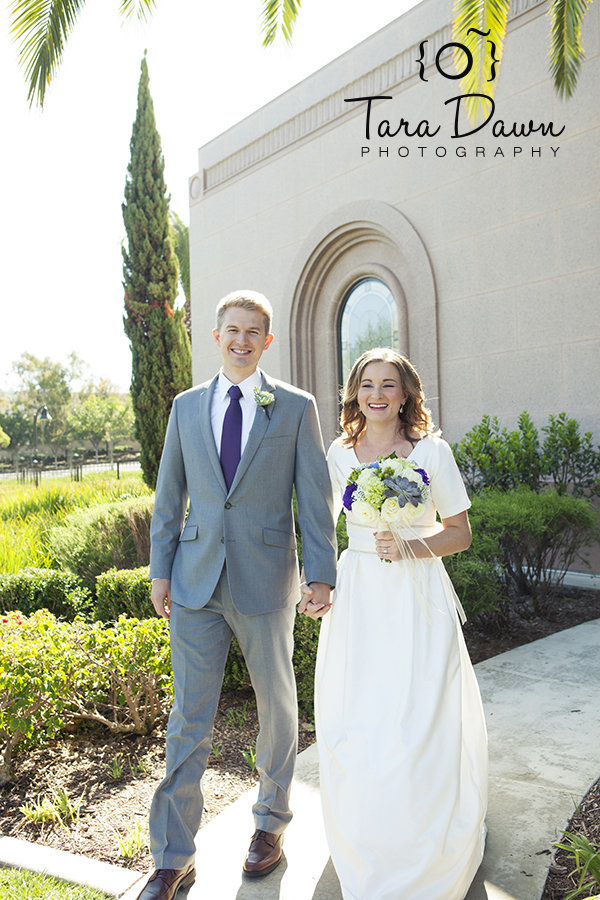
x=396 y=465
x=364 y=477
x=364 y=513
x=412 y=475
x=391 y=511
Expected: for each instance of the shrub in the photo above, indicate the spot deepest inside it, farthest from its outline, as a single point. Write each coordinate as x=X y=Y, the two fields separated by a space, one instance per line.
x=94 y=540
x=121 y=591
x=491 y=457
x=524 y=543
x=120 y=676
x=569 y=458
x=479 y=585
x=306 y=639
x=54 y=672
x=32 y=682
x=61 y=593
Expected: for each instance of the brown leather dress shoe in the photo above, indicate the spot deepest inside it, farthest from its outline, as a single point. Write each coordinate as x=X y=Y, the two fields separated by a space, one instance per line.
x=165 y=883
x=264 y=854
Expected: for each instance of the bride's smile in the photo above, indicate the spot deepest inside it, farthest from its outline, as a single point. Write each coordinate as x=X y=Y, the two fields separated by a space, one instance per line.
x=380 y=394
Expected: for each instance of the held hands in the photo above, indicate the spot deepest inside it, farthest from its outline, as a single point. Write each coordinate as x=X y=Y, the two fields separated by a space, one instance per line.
x=315 y=601
x=386 y=546
x=161 y=596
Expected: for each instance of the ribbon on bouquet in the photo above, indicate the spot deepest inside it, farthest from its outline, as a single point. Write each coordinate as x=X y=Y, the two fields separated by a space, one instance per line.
x=417 y=571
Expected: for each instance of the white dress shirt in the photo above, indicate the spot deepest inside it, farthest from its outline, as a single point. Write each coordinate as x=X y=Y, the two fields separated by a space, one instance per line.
x=221 y=400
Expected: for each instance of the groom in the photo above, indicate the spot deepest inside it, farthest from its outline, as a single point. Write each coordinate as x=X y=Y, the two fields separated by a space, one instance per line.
x=235 y=447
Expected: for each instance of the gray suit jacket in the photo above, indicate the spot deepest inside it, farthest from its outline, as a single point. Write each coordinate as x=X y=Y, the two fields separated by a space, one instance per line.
x=251 y=526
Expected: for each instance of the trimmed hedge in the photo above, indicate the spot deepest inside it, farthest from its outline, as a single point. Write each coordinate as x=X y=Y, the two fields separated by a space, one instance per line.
x=120 y=591
x=28 y=590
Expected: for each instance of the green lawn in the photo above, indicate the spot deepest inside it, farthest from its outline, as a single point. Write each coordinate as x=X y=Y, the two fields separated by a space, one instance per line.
x=20 y=884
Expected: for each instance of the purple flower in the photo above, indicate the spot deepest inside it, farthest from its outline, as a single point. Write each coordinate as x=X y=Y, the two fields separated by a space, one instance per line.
x=348 y=495
x=424 y=475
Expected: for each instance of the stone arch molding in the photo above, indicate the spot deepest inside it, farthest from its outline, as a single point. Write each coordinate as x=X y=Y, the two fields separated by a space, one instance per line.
x=360 y=239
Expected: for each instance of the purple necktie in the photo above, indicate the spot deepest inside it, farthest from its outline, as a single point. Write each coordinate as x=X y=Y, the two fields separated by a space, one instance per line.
x=231 y=438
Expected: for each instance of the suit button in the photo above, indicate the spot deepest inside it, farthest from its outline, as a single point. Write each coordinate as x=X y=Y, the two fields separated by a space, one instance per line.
x=222 y=540
x=228 y=506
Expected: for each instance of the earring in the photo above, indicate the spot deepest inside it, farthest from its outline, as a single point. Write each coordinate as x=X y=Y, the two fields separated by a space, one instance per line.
x=401 y=408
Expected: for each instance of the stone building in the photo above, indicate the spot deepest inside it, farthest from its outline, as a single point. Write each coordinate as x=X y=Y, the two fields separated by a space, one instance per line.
x=476 y=254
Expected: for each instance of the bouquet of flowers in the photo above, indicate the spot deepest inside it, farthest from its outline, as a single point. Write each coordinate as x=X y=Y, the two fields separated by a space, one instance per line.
x=390 y=492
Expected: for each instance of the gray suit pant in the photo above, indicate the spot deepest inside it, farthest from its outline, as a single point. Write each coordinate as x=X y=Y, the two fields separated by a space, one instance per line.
x=200 y=640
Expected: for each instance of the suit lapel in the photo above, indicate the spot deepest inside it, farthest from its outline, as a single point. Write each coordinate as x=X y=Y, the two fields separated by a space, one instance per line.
x=204 y=411
x=262 y=417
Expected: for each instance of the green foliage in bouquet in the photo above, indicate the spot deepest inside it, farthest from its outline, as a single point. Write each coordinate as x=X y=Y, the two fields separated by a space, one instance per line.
x=28 y=590
x=123 y=591
x=91 y=541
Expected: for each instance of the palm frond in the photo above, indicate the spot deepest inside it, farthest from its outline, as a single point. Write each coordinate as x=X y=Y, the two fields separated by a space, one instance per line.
x=279 y=14
x=141 y=9
x=40 y=28
x=566 y=51
x=480 y=26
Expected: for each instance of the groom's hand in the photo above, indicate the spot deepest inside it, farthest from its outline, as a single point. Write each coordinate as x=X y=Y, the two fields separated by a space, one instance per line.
x=316 y=601
x=161 y=596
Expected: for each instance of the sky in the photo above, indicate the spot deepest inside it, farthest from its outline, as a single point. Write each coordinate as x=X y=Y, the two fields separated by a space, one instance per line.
x=64 y=167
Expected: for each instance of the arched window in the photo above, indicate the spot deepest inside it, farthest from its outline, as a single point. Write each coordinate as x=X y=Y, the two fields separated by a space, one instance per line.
x=369 y=319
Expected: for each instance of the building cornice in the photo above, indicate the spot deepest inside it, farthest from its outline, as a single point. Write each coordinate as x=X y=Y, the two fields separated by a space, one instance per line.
x=386 y=77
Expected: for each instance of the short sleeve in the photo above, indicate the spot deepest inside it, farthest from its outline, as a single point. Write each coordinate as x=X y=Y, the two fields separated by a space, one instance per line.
x=448 y=491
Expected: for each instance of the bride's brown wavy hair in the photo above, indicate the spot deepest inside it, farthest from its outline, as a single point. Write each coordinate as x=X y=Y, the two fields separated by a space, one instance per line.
x=414 y=416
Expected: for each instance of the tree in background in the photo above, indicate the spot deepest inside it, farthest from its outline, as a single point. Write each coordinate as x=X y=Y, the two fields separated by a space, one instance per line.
x=181 y=239
x=19 y=428
x=101 y=419
x=44 y=382
x=4 y=439
x=160 y=347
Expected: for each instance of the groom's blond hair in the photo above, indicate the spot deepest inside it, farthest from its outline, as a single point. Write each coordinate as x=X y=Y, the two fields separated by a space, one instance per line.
x=251 y=300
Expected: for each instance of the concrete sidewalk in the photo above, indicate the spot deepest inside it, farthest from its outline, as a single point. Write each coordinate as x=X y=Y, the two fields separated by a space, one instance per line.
x=543 y=714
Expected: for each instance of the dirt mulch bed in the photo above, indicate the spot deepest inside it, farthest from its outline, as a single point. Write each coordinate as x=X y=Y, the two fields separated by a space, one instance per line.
x=115 y=776
x=562 y=875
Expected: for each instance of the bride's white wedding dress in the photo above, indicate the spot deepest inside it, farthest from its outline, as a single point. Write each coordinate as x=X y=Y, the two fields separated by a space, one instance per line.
x=400 y=727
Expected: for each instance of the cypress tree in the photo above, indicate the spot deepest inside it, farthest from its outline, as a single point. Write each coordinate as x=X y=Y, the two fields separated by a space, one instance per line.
x=160 y=347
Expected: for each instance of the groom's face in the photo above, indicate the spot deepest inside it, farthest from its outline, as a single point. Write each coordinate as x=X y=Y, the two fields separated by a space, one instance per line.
x=242 y=341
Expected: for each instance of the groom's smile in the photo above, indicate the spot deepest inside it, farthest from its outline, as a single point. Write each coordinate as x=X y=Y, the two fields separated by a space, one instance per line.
x=242 y=341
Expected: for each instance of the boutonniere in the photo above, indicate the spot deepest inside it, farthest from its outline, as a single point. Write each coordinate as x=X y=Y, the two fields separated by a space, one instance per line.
x=263 y=398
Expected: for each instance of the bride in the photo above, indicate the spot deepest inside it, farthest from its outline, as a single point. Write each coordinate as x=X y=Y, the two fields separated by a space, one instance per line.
x=400 y=727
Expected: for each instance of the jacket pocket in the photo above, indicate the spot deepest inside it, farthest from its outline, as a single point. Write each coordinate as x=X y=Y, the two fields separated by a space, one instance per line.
x=189 y=533
x=279 y=538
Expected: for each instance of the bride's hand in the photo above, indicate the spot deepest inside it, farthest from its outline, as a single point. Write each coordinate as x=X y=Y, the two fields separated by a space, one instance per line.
x=385 y=545
x=312 y=605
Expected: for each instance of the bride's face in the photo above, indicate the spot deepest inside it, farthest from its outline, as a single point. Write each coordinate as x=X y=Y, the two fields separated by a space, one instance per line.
x=380 y=393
